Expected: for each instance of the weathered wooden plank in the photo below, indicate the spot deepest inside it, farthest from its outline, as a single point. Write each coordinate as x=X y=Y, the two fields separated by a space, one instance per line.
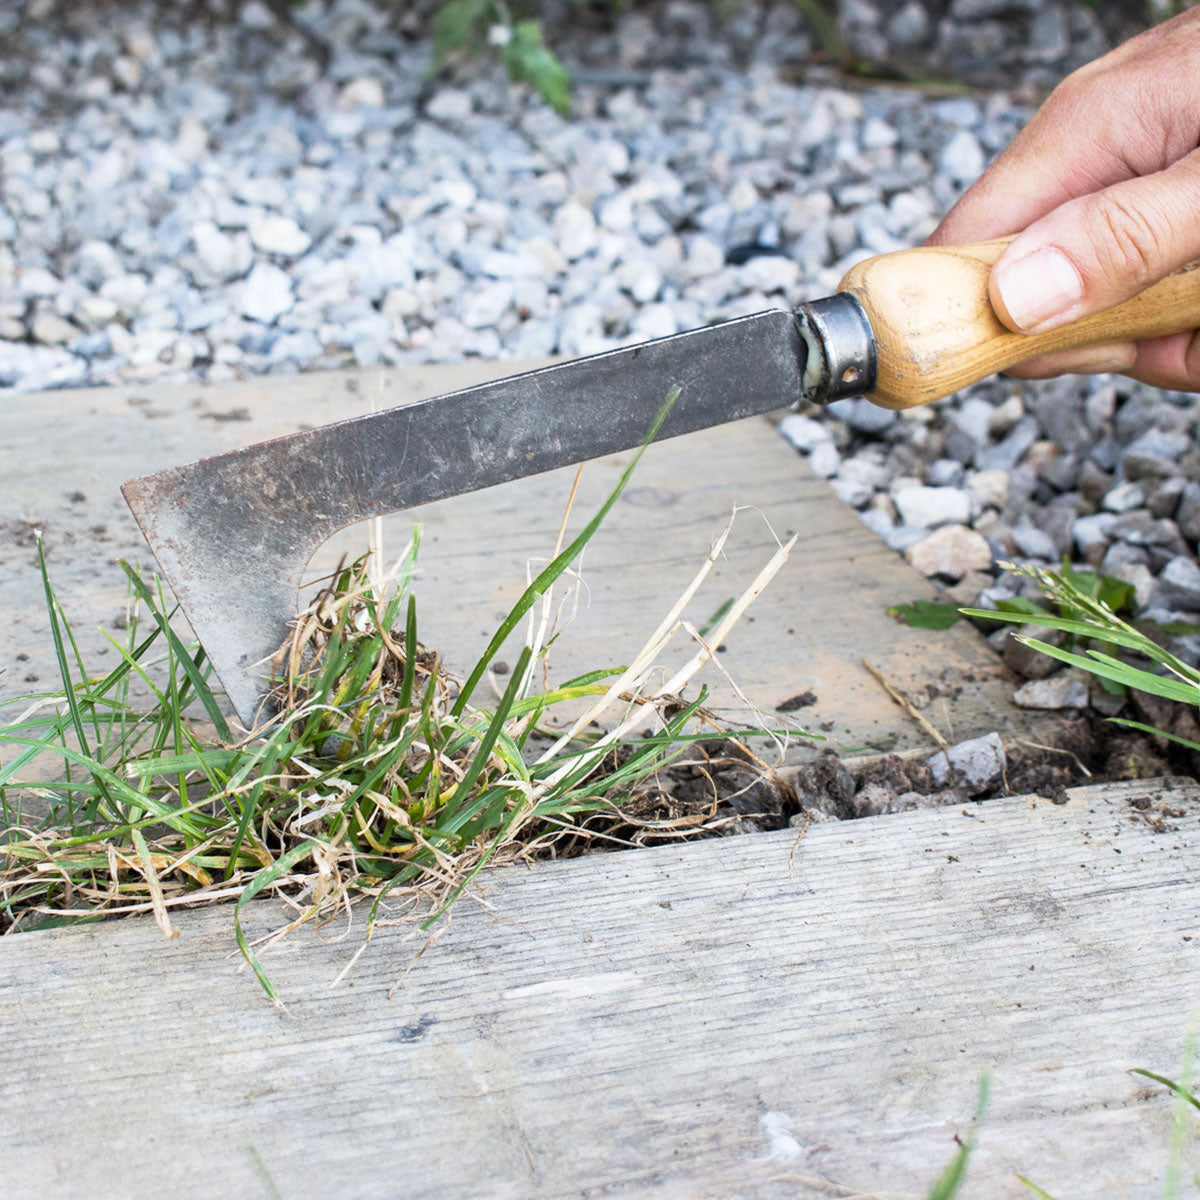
x=821 y=615
x=728 y=1019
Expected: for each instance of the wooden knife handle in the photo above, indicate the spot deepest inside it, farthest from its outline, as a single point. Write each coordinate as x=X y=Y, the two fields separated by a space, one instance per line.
x=935 y=329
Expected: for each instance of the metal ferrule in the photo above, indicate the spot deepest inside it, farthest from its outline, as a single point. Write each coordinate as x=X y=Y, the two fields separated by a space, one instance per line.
x=841 y=349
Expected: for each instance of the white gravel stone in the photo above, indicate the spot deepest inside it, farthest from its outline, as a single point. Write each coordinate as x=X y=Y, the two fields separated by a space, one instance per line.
x=930 y=506
x=803 y=432
x=1123 y=497
x=484 y=306
x=266 y=294
x=962 y=158
x=363 y=92
x=654 y=321
x=450 y=104
x=35 y=282
x=574 y=230
x=150 y=170
x=50 y=329
x=279 y=235
x=219 y=257
x=824 y=459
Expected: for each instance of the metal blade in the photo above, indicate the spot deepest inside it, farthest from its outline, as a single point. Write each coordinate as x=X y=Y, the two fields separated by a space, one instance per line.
x=234 y=533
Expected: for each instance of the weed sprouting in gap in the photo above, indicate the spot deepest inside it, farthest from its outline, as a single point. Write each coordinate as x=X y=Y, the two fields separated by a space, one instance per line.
x=373 y=775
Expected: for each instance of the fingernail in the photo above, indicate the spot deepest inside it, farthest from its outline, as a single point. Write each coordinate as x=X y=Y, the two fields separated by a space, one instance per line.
x=1040 y=290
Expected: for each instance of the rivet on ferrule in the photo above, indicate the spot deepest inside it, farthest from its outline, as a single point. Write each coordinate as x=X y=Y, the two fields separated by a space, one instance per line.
x=841 y=349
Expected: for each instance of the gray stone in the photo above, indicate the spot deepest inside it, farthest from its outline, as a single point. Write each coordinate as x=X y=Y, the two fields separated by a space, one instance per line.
x=974 y=419
x=1106 y=453
x=1127 y=569
x=575 y=230
x=1139 y=528
x=974 y=764
x=450 y=104
x=1011 y=450
x=1005 y=416
x=854 y=492
x=862 y=415
x=901 y=537
x=1179 y=585
x=1034 y=543
x=946 y=472
x=877 y=521
x=1066 y=689
x=1139 y=465
x=1094 y=483
x=1060 y=416
x=1027 y=661
x=1061 y=472
x=1187 y=514
x=219 y=257
x=1165 y=497
x=908 y=28
x=1160 y=443
x=1092 y=534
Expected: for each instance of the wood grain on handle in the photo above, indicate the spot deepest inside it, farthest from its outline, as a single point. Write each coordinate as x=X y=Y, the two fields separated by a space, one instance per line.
x=936 y=331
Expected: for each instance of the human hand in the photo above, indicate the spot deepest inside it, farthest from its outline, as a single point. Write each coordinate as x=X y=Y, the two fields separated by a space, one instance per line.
x=1102 y=188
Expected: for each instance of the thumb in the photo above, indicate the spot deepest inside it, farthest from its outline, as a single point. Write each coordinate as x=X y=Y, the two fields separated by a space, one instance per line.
x=1099 y=250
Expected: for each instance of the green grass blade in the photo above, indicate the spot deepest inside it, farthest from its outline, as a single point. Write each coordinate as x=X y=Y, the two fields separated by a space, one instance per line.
x=104 y=778
x=1162 y=733
x=1157 y=685
x=453 y=822
x=1182 y=1092
x=178 y=764
x=560 y=563
x=264 y=878
x=1041 y=1193
x=186 y=662
x=64 y=670
x=410 y=655
x=951 y=1179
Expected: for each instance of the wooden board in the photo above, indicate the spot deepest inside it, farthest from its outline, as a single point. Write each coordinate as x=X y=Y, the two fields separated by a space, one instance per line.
x=818 y=619
x=752 y=1017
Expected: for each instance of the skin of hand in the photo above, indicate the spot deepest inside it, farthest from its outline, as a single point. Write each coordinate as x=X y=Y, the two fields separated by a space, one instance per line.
x=1102 y=188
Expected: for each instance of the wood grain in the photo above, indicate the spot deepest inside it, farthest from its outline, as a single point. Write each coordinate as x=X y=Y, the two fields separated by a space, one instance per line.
x=936 y=331
x=723 y=1020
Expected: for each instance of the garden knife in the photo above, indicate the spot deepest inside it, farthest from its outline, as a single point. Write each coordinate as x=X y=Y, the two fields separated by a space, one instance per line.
x=233 y=534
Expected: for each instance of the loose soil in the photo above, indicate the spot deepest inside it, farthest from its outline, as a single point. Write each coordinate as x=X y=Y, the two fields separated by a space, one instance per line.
x=722 y=788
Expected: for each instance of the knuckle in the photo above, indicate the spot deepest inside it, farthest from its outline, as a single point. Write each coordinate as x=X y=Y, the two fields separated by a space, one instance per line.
x=1129 y=239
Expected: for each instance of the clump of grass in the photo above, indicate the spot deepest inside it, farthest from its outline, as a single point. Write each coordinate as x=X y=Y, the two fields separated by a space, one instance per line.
x=377 y=774
x=1103 y=644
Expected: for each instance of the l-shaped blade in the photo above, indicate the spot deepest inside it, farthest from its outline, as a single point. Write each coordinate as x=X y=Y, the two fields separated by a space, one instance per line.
x=234 y=533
